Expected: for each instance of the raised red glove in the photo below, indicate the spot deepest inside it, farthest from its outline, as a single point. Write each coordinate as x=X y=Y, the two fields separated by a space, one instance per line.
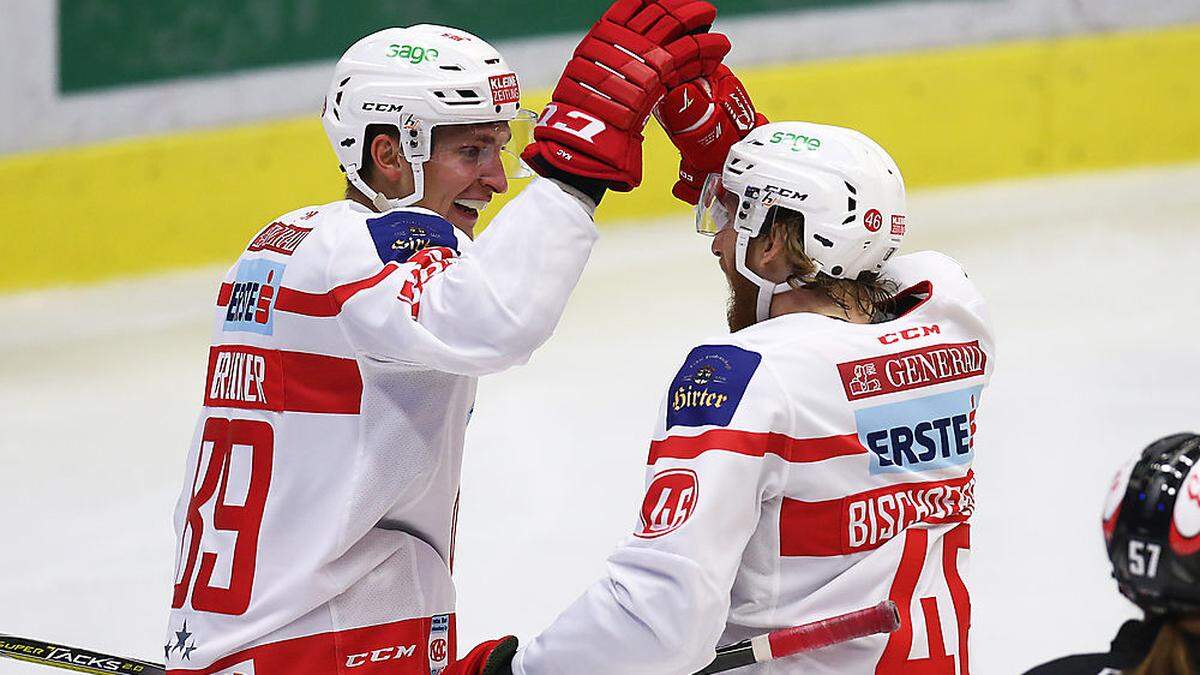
x=704 y=118
x=493 y=657
x=592 y=127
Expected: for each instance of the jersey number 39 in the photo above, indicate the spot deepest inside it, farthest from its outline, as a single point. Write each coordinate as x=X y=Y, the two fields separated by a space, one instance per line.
x=233 y=472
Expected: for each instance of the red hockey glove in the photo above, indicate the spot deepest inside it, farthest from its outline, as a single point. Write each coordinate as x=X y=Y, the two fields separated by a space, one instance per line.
x=704 y=118
x=592 y=127
x=493 y=657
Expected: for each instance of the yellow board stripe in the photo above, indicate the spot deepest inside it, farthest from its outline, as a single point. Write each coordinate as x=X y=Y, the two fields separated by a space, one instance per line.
x=948 y=116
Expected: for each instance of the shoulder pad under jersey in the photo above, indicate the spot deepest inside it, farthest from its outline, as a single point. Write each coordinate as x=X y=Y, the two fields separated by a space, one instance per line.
x=710 y=385
x=400 y=234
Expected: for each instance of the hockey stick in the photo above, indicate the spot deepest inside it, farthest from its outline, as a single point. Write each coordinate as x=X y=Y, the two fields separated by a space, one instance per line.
x=72 y=658
x=882 y=618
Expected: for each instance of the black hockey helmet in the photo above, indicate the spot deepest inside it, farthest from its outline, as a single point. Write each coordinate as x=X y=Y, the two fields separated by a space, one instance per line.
x=1152 y=526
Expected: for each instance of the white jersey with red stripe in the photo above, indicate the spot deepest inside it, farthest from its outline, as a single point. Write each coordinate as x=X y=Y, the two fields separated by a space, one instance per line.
x=316 y=520
x=802 y=467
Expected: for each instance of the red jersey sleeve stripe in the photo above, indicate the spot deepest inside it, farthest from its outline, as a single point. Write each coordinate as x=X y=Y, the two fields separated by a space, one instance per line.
x=756 y=444
x=224 y=294
x=329 y=303
x=314 y=304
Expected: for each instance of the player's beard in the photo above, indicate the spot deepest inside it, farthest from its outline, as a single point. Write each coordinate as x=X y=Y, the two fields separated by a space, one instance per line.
x=741 y=311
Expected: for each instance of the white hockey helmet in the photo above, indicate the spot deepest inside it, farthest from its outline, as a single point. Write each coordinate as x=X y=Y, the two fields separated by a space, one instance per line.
x=414 y=79
x=845 y=185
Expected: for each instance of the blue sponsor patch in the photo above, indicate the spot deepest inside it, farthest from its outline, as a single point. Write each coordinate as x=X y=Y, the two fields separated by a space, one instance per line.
x=710 y=385
x=400 y=234
x=921 y=434
x=252 y=301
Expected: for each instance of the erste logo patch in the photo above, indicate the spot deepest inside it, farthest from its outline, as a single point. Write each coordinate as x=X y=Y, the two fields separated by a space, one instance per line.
x=505 y=89
x=921 y=434
x=1185 y=522
x=252 y=299
x=670 y=500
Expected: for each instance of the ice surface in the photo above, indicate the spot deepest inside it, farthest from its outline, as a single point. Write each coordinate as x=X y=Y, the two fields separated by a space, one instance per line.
x=1092 y=280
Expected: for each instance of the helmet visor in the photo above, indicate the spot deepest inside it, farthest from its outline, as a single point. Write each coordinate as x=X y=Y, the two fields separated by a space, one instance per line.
x=716 y=208
x=488 y=147
x=521 y=128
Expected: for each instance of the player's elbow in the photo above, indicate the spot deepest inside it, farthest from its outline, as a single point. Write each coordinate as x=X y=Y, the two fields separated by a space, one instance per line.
x=683 y=613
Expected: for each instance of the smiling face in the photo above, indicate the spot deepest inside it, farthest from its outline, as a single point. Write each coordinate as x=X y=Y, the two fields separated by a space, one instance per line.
x=464 y=171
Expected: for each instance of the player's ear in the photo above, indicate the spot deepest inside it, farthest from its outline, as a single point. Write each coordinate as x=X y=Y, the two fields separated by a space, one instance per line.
x=775 y=246
x=389 y=161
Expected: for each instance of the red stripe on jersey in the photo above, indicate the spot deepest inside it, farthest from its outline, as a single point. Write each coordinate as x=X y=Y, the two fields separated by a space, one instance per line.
x=756 y=444
x=315 y=304
x=399 y=648
x=224 y=294
x=282 y=381
x=330 y=303
x=867 y=520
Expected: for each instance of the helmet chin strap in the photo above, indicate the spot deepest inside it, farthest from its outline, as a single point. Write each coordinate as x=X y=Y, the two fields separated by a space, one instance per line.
x=381 y=201
x=766 y=289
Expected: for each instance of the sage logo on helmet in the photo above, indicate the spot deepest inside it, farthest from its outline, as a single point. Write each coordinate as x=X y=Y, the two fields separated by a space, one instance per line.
x=415 y=79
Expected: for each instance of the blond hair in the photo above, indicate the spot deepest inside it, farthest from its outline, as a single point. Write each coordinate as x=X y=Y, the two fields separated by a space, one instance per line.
x=867 y=293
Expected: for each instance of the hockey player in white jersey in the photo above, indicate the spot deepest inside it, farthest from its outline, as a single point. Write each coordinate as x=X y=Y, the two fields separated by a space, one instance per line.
x=316 y=520
x=816 y=460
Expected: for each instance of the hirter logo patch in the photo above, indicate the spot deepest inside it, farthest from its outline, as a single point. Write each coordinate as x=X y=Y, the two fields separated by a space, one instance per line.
x=709 y=387
x=670 y=500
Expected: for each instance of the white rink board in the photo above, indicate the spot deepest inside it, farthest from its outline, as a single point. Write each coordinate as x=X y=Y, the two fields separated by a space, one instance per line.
x=1092 y=284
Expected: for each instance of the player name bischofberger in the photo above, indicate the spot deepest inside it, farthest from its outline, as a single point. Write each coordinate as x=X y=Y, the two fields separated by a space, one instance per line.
x=874 y=518
x=912 y=369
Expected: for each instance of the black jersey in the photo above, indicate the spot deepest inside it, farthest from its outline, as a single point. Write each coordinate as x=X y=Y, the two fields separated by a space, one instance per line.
x=1129 y=648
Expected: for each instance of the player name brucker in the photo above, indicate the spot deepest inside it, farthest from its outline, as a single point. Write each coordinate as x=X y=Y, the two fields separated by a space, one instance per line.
x=239 y=376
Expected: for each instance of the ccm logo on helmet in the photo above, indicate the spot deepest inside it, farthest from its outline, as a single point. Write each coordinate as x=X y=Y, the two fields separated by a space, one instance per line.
x=783 y=192
x=382 y=107
x=378 y=655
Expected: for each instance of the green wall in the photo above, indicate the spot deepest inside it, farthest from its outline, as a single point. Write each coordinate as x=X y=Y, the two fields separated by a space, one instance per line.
x=109 y=43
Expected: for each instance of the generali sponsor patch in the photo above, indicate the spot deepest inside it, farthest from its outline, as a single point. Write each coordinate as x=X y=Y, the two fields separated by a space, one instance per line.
x=912 y=369
x=505 y=89
x=280 y=238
